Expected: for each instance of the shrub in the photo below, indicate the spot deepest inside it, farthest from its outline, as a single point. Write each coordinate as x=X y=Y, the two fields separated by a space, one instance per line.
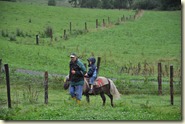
x=51 y=3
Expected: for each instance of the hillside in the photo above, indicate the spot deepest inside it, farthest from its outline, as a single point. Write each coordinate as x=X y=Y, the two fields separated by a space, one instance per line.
x=130 y=50
x=152 y=38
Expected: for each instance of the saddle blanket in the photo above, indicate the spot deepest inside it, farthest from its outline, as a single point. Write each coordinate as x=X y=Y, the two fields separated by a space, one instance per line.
x=101 y=81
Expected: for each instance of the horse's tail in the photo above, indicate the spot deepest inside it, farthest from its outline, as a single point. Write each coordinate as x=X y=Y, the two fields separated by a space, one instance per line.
x=113 y=90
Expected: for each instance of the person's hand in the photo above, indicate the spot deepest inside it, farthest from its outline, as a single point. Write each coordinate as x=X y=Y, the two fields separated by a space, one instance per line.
x=73 y=71
x=85 y=75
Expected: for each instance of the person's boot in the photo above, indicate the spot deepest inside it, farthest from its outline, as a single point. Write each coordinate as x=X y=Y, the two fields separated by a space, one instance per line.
x=78 y=102
x=73 y=98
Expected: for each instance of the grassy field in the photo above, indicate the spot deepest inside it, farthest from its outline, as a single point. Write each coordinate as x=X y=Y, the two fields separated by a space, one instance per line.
x=156 y=37
x=130 y=51
x=28 y=103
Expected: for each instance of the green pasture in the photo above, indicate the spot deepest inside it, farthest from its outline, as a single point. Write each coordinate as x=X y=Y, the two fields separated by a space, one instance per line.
x=130 y=51
x=152 y=38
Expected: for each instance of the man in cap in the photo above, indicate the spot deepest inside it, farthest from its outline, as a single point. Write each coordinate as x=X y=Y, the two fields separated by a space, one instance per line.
x=76 y=77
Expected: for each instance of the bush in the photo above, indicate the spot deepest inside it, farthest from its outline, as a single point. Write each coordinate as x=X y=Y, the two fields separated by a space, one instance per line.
x=51 y=3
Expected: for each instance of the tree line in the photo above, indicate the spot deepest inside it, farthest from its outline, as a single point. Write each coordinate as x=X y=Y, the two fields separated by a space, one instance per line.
x=121 y=4
x=128 y=4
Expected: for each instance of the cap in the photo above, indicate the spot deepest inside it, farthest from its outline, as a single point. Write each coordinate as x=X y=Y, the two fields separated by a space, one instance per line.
x=73 y=55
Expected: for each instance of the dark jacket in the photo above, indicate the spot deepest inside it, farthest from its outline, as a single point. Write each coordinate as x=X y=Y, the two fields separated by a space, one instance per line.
x=78 y=77
x=92 y=67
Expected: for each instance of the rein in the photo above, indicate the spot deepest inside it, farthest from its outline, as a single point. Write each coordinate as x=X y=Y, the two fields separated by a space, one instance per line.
x=86 y=81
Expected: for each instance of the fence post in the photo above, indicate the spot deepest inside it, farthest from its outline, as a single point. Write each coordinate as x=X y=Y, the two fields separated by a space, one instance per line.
x=98 y=65
x=8 y=84
x=108 y=20
x=51 y=34
x=0 y=68
x=65 y=37
x=96 y=23
x=103 y=22
x=37 y=39
x=159 y=79
x=85 y=26
x=46 y=87
x=70 y=27
x=171 y=84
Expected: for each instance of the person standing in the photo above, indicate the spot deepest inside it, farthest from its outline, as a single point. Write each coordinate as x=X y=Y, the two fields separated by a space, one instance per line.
x=76 y=77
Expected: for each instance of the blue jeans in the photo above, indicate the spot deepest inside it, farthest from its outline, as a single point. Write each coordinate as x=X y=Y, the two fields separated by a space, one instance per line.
x=76 y=91
x=91 y=80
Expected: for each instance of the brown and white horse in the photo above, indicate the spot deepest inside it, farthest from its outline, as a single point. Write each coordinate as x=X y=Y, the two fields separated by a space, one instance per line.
x=102 y=86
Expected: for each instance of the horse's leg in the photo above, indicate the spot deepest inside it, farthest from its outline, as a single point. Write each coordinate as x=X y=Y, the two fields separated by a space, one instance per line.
x=103 y=97
x=111 y=99
x=87 y=98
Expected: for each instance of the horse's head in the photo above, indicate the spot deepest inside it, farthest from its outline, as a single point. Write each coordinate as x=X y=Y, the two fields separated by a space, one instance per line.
x=66 y=82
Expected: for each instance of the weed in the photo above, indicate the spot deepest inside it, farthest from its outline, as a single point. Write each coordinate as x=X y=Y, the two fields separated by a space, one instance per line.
x=19 y=33
x=12 y=37
x=4 y=33
x=31 y=93
x=49 y=32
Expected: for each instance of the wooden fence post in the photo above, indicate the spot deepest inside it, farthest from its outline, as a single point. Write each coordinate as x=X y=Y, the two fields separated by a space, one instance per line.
x=65 y=37
x=98 y=65
x=171 y=84
x=8 y=84
x=159 y=79
x=103 y=22
x=70 y=27
x=85 y=26
x=37 y=39
x=46 y=87
x=96 y=23
x=108 y=20
x=0 y=68
x=51 y=34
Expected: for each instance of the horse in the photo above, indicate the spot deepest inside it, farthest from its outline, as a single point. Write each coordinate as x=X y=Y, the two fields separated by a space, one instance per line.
x=102 y=86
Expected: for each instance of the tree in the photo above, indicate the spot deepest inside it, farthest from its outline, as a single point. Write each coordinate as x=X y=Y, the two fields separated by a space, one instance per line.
x=130 y=2
x=51 y=3
x=171 y=4
x=73 y=3
x=107 y=4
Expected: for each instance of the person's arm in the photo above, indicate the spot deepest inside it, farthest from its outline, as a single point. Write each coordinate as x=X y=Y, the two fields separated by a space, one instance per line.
x=70 y=74
x=82 y=70
x=90 y=72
